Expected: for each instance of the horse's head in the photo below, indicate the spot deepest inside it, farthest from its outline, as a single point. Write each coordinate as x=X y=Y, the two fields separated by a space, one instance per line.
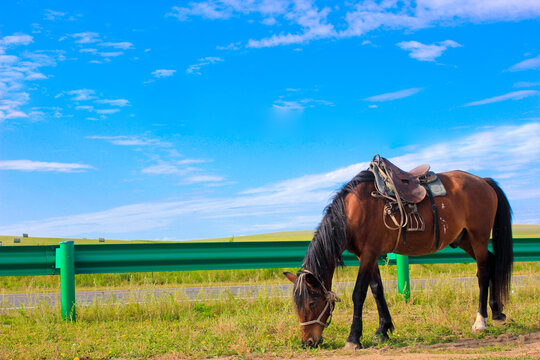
x=314 y=305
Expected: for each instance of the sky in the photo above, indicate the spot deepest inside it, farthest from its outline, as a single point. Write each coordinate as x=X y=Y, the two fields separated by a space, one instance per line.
x=176 y=120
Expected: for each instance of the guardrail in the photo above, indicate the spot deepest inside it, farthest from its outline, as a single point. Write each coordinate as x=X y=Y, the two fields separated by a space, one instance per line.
x=68 y=259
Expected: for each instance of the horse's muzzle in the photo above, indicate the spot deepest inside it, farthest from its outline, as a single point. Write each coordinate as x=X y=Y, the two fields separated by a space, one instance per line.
x=312 y=343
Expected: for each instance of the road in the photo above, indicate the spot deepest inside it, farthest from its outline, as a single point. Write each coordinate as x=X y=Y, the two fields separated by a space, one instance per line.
x=27 y=300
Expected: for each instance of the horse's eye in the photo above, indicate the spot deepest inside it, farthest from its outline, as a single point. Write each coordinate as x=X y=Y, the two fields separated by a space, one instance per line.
x=312 y=304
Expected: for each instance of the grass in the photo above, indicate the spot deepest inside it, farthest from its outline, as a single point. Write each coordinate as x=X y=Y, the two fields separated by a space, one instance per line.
x=247 y=328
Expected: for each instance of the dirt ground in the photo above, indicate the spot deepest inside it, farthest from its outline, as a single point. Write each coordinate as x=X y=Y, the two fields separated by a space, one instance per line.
x=504 y=346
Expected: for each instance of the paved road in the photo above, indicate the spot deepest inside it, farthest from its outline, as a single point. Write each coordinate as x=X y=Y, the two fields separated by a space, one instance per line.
x=10 y=301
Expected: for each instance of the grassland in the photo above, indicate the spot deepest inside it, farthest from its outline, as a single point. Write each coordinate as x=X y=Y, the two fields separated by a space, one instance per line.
x=265 y=326
x=519 y=231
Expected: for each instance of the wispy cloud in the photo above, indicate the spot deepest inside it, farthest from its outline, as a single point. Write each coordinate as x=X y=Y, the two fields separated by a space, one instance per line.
x=131 y=140
x=82 y=94
x=41 y=166
x=427 y=52
x=161 y=73
x=52 y=15
x=124 y=45
x=95 y=40
x=86 y=98
x=394 y=95
x=299 y=105
x=524 y=84
x=86 y=37
x=529 y=64
x=19 y=68
x=495 y=152
x=16 y=40
x=314 y=23
x=514 y=95
x=195 y=68
x=114 y=102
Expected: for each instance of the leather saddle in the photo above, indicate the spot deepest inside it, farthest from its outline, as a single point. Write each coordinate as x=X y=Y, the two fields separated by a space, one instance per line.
x=407 y=184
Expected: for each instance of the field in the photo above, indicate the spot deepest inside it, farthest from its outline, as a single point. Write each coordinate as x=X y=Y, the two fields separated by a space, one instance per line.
x=518 y=231
x=432 y=323
x=261 y=327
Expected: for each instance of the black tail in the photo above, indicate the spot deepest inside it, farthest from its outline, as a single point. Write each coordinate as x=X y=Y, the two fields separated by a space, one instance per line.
x=502 y=244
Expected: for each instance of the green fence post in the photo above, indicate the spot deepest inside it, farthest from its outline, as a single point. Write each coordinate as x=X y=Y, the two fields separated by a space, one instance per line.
x=67 y=279
x=404 y=283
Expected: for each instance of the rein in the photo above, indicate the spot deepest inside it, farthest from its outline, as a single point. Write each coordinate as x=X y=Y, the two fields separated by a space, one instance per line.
x=330 y=297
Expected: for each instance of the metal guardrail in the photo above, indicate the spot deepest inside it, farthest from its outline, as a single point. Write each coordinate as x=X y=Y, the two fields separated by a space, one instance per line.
x=68 y=259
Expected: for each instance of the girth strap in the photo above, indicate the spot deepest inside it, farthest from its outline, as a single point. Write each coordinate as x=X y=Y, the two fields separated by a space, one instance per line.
x=435 y=216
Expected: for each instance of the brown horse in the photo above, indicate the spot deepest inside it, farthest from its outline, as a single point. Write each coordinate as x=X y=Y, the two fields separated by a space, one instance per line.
x=353 y=221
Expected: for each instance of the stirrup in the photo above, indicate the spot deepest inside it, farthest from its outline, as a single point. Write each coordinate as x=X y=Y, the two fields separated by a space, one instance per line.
x=415 y=220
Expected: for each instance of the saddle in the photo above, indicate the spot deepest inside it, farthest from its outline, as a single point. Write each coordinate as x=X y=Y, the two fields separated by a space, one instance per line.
x=407 y=184
x=402 y=192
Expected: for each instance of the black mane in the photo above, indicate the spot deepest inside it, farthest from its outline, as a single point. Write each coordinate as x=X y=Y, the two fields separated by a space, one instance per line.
x=330 y=239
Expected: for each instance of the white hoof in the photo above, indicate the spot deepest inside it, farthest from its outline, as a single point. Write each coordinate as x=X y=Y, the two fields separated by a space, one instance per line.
x=480 y=323
x=351 y=346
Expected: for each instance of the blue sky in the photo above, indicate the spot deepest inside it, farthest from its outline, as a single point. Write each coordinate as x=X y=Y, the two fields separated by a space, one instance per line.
x=184 y=120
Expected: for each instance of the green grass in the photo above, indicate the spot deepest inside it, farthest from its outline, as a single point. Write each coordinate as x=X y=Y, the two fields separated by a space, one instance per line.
x=247 y=328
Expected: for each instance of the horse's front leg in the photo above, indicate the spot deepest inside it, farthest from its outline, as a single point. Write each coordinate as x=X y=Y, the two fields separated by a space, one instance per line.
x=385 y=320
x=359 y=296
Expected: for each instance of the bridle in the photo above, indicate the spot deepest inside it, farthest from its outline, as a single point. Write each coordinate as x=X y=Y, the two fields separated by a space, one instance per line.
x=330 y=297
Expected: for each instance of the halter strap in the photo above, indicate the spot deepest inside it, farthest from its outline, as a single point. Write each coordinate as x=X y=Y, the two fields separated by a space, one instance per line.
x=330 y=297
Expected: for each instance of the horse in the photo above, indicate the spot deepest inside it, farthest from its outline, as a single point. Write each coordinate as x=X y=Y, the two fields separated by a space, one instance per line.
x=470 y=210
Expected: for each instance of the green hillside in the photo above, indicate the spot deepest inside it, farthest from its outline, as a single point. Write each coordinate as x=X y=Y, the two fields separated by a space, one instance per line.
x=522 y=231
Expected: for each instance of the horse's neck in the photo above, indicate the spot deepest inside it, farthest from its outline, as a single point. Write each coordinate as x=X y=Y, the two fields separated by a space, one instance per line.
x=326 y=277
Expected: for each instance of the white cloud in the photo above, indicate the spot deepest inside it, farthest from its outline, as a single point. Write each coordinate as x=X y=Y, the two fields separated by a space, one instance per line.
x=425 y=52
x=30 y=165
x=204 y=178
x=86 y=37
x=124 y=45
x=162 y=169
x=494 y=152
x=195 y=68
x=53 y=15
x=106 y=111
x=113 y=102
x=16 y=71
x=522 y=84
x=514 y=95
x=163 y=73
x=529 y=64
x=394 y=95
x=82 y=94
x=94 y=39
x=299 y=105
x=16 y=40
x=313 y=23
x=110 y=54
x=130 y=140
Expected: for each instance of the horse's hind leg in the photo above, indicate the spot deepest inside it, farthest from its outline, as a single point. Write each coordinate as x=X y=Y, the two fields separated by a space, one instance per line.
x=494 y=300
x=385 y=320
x=479 y=242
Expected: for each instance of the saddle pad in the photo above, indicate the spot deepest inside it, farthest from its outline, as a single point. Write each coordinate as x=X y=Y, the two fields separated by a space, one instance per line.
x=436 y=186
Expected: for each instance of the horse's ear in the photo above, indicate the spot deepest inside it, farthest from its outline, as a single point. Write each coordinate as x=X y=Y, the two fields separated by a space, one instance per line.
x=312 y=281
x=290 y=276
